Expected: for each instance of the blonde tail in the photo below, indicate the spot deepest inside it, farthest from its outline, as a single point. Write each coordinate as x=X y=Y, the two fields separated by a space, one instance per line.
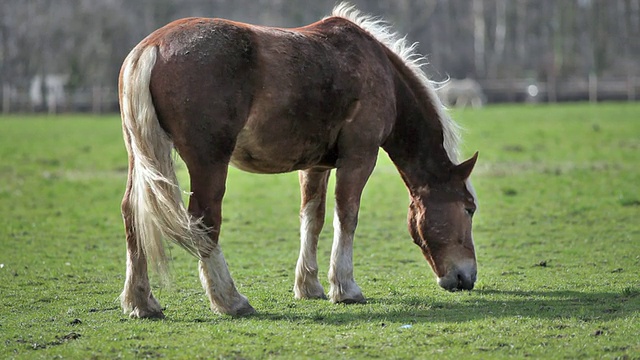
x=155 y=197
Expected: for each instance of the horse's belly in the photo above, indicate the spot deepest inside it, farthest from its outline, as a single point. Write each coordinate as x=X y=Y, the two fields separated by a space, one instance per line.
x=245 y=161
x=276 y=155
x=263 y=164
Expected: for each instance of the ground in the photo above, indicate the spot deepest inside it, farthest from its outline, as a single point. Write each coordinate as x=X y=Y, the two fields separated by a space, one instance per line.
x=557 y=237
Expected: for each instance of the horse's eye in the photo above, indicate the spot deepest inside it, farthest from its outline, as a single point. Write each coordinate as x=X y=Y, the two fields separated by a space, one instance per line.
x=470 y=211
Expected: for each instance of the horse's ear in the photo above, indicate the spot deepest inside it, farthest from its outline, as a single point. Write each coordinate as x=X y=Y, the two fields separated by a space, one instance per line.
x=462 y=171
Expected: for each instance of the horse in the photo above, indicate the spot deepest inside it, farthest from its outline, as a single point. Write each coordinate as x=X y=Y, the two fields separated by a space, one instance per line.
x=462 y=93
x=271 y=100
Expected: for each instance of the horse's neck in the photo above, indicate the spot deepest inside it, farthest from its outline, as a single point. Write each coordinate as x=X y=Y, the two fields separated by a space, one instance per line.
x=416 y=144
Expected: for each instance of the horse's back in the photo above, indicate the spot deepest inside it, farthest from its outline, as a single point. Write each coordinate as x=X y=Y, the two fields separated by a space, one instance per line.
x=275 y=98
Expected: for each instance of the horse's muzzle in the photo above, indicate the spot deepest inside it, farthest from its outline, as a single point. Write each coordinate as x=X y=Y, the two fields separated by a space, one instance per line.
x=461 y=277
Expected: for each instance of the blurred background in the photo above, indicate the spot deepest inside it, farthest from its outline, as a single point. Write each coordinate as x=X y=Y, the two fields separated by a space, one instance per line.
x=65 y=55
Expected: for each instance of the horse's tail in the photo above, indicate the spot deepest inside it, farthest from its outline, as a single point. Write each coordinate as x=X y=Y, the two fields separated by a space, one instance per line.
x=153 y=195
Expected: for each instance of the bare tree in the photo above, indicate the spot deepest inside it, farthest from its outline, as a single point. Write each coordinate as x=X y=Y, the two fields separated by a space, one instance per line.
x=491 y=40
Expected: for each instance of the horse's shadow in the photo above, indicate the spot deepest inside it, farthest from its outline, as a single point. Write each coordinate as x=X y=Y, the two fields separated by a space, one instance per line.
x=496 y=304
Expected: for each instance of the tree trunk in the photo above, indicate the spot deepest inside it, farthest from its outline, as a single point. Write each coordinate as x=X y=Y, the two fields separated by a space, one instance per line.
x=479 y=37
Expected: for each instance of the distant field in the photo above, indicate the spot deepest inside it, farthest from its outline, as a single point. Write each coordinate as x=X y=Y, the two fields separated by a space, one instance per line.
x=557 y=236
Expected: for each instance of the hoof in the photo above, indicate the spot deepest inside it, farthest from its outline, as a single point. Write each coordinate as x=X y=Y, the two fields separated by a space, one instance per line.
x=312 y=297
x=146 y=314
x=308 y=288
x=360 y=300
x=241 y=308
x=321 y=297
x=347 y=294
x=244 y=311
x=146 y=307
x=316 y=294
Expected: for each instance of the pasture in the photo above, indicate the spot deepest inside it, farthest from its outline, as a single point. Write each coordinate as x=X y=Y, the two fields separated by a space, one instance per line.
x=557 y=238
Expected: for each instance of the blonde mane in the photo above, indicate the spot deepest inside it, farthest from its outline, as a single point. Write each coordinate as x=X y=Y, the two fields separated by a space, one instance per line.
x=383 y=32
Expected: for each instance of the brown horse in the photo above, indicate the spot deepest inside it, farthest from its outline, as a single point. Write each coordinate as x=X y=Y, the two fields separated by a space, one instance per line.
x=271 y=100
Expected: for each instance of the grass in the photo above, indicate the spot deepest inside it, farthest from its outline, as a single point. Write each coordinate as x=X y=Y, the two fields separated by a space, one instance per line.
x=557 y=236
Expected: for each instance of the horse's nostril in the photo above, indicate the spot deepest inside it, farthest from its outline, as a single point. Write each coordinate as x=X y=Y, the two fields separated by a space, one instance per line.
x=465 y=283
x=460 y=278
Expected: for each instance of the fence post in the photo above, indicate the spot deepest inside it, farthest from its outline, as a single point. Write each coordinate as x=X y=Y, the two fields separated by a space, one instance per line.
x=97 y=99
x=593 y=87
x=552 y=96
x=6 y=98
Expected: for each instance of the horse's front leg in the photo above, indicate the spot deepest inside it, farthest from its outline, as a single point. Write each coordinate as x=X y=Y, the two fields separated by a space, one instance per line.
x=351 y=177
x=208 y=187
x=313 y=193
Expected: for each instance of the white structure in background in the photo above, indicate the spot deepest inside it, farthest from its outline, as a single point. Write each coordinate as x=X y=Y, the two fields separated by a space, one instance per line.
x=462 y=93
x=48 y=92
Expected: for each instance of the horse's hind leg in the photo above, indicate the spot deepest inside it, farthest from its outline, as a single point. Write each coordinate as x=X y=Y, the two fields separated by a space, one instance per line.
x=208 y=186
x=136 y=298
x=313 y=191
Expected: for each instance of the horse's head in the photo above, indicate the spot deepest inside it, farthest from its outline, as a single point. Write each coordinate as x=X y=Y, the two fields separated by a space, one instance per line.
x=440 y=218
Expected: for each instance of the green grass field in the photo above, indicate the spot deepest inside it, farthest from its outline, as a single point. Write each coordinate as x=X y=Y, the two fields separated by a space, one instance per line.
x=557 y=238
